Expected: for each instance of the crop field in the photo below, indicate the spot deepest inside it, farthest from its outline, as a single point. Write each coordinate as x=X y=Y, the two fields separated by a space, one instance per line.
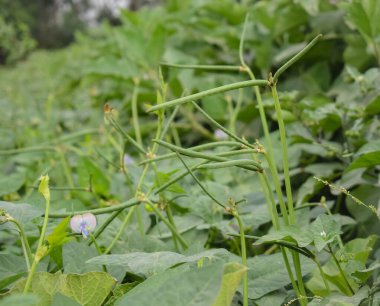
x=196 y=153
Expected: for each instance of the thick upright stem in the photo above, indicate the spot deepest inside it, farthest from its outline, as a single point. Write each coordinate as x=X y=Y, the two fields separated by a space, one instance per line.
x=243 y=258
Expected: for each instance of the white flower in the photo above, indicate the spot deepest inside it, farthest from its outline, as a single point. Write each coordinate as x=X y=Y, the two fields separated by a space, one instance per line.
x=83 y=224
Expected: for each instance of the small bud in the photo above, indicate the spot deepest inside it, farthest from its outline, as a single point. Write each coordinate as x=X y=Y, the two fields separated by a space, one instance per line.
x=43 y=188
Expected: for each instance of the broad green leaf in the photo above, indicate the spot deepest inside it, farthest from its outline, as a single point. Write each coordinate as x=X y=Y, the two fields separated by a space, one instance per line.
x=367 y=156
x=364 y=15
x=148 y=264
x=352 y=260
x=324 y=230
x=62 y=300
x=119 y=291
x=336 y=299
x=6 y=281
x=11 y=183
x=139 y=262
x=273 y=298
x=44 y=285
x=89 y=289
x=373 y=106
x=75 y=255
x=268 y=273
x=20 y=299
x=290 y=233
x=23 y=213
x=233 y=274
x=197 y=287
x=12 y=267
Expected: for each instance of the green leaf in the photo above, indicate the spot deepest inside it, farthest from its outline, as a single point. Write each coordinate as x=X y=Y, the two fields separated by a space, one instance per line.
x=352 y=259
x=291 y=233
x=233 y=274
x=373 y=106
x=44 y=285
x=268 y=273
x=367 y=156
x=197 y=287
x=59 y=234
x=148 y=264
x=324 y=230
x=6 y=281
x=62 y=300
x=162 y=178
x=88 y=171
x=11 y=183
x=119 y=291
x=23 y=213
x=89 y=289
x=365 y=16
x=336 y=299
x=273 y=298
x=75 y=255
x=10 y=265
x=20 y=299
x=140 y=263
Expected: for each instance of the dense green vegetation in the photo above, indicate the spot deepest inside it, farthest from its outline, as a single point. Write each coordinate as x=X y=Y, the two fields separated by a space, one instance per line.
x=207 y=190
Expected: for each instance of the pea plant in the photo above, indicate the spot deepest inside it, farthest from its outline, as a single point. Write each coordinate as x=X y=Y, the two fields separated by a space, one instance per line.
x=224 y=221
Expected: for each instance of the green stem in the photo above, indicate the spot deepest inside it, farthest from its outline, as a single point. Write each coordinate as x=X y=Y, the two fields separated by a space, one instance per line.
x=98 y=211
x=135 y=115
x=284 y=149
x=231 y=163
x=199 y=183
x=24 y=242
x=171 y=220
x=100 y=230
x=121 y=229
x=26 y=150
x=208 y=92
x=93 y=239
x=204 y=67
x=168 y=224
x=323 y=275
x=39 y=250
x=243 y=257
x=277 y=187
x=118 y=128
x=254 y=167
x=340 y=270
x=290 y=272
x=296 y=58
x=272 y=208
x=195 y=148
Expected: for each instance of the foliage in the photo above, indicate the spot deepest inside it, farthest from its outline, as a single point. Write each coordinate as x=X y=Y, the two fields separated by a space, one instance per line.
x=181 y=218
